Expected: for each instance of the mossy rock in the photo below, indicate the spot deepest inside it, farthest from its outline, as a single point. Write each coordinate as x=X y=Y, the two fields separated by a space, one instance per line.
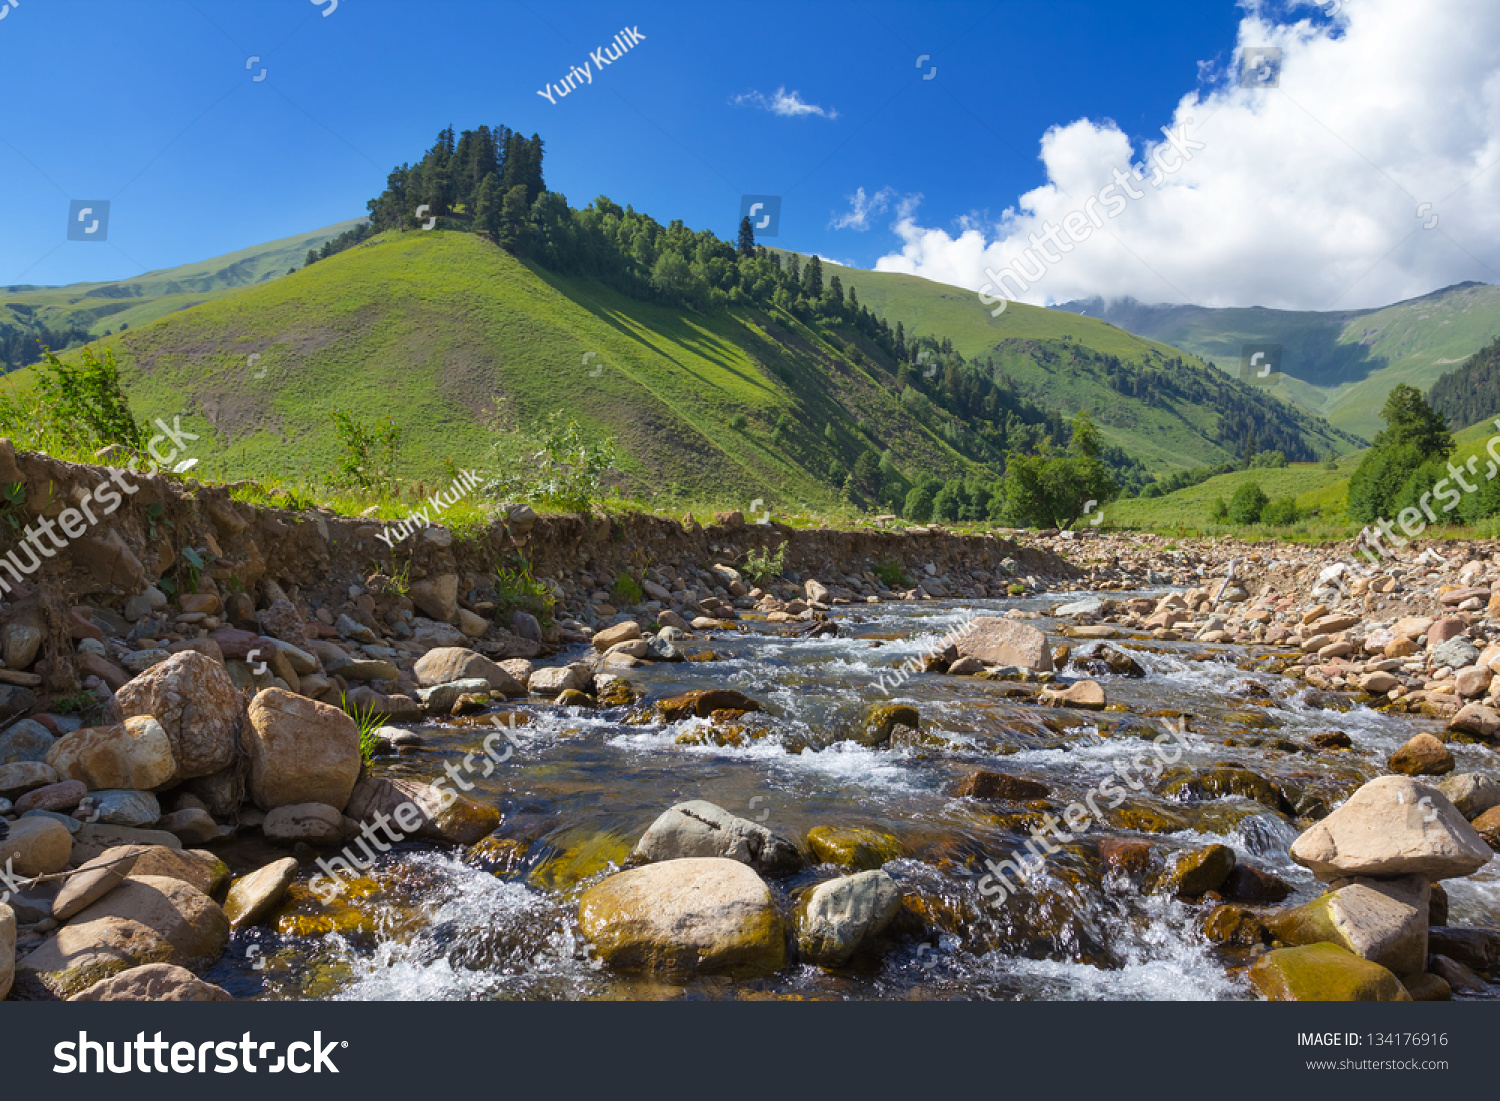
x=351 y=914
x=572 y=697
x=704 y=703
x=1235 y=927
x=500 y=856
x=1250 y=719
x=617 y=693
x=1216 y=783
x=585 y=854
x=1197 y=872
x=1324 y=973
x=881 y=721
x=852 y=847
x=1224 y=818
x=1144 y=818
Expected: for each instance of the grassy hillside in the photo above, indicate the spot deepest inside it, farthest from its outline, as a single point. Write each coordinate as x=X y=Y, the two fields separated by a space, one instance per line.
x=97 y=308
x=451 y=337
x=1339 y=364
x=1055 y=357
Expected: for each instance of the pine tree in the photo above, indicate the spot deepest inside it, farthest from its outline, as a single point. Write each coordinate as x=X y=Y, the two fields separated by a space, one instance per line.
x=513 y=218
x=488 y=206
x=746 y=245
x=812 y=278
x=836 y=291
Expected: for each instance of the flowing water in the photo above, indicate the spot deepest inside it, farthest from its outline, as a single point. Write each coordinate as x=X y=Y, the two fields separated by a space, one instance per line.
x=582 y=785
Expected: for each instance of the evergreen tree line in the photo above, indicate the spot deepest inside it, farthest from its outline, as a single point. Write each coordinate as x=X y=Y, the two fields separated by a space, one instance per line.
x=1470 y=393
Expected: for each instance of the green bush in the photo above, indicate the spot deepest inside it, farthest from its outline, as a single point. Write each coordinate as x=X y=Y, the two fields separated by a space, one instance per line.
x=369 y=456
x=1248 y=502
x=890 y=572
x=558 y=468
x=761 y=566
x=1281 y=512
x=1219 y=512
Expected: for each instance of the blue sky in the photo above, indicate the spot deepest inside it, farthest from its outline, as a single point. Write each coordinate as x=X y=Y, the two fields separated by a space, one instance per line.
x=150 y=105
x=153 y=105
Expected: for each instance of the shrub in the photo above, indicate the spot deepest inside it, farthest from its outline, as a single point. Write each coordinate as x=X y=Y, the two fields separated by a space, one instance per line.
x=1247 y=504
x=761 y=565
x=369 y=456
x=626 y=590
x=559 y=468
x=1281 y=512
x=517 y=591
x=890 y=572
x=1219 y=511
x=84 y=400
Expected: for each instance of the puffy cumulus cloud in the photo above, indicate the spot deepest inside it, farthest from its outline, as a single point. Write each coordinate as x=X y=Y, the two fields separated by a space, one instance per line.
x=1303 y=196
x=784 y=103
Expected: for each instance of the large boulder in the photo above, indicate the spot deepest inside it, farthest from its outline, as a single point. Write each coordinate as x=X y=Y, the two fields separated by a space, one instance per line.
x=996 y=641
x=1324 y=973
x=701 y=829
x=447 y=664
x=23 y=776
x=313 y=823
x=301 y=751
x=136 y=753
x=36 y=846
x=1393 y=826
x=413 y=808
x=153 y=982
x=1424 y=755
x=437 y=596
x=1384 y=921
x=27 y=740
x=94 y=839
x=198 y=868
x=696 y=914
x=843 y=915
x=627 y=631
x=556 y=679
x=198 y=706
x=146 y=919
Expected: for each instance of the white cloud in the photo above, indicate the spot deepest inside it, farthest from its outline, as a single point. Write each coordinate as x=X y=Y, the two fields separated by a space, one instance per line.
x=784 y=103
x=862 y=207
x=1304 y=196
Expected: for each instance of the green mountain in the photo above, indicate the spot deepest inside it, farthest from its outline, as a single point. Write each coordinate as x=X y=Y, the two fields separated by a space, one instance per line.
x=63 y=317
x=1170 y=411
x=1339 y=364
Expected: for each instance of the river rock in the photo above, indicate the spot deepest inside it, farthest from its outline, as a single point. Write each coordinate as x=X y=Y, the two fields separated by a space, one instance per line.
x=1455 y=653
x=704 y=914
x=123 y=807
x=146 y=919
x=15 y=701
x=613 y=636
x=983 y=784
x=27 y=740
x=36 y=846
x=282 y=620
x=94 y=839
x=253 y=897
x=301 y=751
x=1197 y=872
x=1487 y=825
x=440 y=698
x=370 y=669
x=437 y=597
x=153 y=982
x=881 y=721
x=1392 y=826
x=192 y=826
x=198 y=706
x=94 y=879
x=996 y=641
x=1477 y=719
x=1086 y=694
x=1324 y=973
x=1471 y=793
x=844 y=914
x=1384 y=921
x=7 y=949
x=852 y=847
x=422 y=810
x=452 y=663
x=136 y=753
x=23 y=776
x=1424 y=755
x=198 y=868
x=702 y=829
x=705 y=702
x=62 y=796
x=554 y=679
x=314 y=823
